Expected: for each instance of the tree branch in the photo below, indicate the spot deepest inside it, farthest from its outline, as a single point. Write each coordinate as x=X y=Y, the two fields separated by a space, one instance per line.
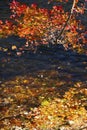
x=71 y=12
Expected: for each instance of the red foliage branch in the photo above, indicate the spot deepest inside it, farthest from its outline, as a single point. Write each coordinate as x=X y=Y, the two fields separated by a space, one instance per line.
x=41 y=26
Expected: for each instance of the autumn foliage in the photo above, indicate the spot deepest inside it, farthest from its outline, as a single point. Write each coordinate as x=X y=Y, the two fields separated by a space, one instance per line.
x=44 y=26
x=29 y=103
x=54 y=98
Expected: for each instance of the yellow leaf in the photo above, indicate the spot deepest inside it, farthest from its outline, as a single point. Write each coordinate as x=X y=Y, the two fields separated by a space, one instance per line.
x=14 y=47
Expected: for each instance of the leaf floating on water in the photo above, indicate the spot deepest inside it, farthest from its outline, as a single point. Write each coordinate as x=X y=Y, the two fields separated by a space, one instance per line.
x=14 y=47
x=5 y=49
x=19 y=53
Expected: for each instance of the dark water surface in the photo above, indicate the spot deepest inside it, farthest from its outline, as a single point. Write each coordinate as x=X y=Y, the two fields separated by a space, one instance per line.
x=67 y=63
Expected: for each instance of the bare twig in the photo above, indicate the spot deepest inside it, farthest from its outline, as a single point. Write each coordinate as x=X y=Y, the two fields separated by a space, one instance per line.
x=71 y=12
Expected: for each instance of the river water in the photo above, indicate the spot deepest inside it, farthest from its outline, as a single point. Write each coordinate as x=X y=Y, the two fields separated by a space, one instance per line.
x=69 y=64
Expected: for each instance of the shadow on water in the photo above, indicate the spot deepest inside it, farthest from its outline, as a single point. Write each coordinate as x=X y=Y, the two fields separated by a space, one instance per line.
x=66 y=63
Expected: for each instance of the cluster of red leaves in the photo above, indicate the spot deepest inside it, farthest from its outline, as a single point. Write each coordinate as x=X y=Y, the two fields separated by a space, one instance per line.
x=17 y=8
x=38 y=25
x=31 y=22
x=6 y=28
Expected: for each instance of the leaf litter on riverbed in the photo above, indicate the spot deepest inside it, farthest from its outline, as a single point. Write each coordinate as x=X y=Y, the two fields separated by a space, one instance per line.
x=38 y=103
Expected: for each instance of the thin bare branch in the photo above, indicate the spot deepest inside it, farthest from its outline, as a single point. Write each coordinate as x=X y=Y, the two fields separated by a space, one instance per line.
x=71 y=12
